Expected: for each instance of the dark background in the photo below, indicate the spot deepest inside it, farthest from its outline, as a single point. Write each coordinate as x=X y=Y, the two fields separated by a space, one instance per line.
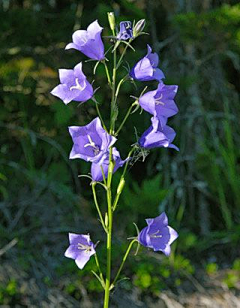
x=42 y=198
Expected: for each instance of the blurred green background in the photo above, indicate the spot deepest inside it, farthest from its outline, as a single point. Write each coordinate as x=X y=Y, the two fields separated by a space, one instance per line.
x=42 y=198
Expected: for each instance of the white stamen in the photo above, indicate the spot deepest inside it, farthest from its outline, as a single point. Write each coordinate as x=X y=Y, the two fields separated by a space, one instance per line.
x=158 y=100
x=86 y=248
x=154 y=235
x=78 y=86
x=93 y=145
x=90 y=144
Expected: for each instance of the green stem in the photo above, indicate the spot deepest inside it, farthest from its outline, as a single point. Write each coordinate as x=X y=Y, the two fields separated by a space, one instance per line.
x=107 y=73
x=97 y=206
x=123 y=53
x=122 y=181
x=109 y=231
x=99 y=269
x=123 y=261
x=119 y=85
x=100 y=116
x=113 y=101
x=125 y=118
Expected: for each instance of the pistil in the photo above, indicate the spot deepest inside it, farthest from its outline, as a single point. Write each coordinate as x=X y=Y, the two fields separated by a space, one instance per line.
x=93 y=145
x=158 y=100
x=78 y=86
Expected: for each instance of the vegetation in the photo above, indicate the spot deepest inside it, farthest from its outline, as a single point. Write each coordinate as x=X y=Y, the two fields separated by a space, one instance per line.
x=42 y=198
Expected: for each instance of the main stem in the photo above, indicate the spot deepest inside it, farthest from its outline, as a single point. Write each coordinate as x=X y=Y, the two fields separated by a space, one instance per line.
x=113 y=100
x=109 y=194
x=109 y=232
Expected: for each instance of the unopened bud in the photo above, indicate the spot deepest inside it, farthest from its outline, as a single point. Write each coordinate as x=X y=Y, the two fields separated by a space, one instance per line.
x=120 y=186
x=106 y=220
x=139 y=27
x=111 y=20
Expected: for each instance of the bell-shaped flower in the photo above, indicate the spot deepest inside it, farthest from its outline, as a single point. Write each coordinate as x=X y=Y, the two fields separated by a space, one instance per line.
x=146 y=69
x=89 y=41
x=81 y=249
x=158 y=135
x=90 y=142
x=160 y=101
x=126 y=31
x=98 y=169
x=158 y=235
x=74 y=85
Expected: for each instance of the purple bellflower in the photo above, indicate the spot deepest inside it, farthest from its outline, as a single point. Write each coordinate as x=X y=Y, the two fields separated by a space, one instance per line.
x=146 y=69
x=81 y=249
x=74 y=85
x=96 y=169
x=91 y=142
x=158 y=235
x=89 y=41
x=161 y=101
x=158 y=135
x=126 y=31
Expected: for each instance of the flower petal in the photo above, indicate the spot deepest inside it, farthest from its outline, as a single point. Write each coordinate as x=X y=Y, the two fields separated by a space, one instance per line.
x=64 y=93
x=72 y=252
x=147 y=101
x=93 y=29
x=173 y=235
x=167 y=250
x=65 y=75
x=82 y=259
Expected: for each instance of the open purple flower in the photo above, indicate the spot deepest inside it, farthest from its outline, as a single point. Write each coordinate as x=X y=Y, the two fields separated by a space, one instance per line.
x=74 y=85
x=146 y=69
x=91 y=142
x=81 y=249
x=158 y=135
x=126 y=31
x=96 y=169
x=158 y=235
x=160 y=101
x=89 y=41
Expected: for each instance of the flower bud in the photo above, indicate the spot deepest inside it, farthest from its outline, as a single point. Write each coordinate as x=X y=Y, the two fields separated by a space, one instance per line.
x=111 y=20
x=139 y=27
x=120 y=186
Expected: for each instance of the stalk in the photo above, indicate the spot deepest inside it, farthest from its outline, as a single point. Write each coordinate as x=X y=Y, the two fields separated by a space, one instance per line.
x=109 y=232
x=123 y=261
x=97 y=206
x=109 y=194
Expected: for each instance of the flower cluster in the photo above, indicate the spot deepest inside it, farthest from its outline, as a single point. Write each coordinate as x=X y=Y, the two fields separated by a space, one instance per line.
x=160 y=103
x=94 y=144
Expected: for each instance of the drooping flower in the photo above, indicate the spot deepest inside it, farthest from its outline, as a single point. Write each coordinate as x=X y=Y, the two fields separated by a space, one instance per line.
x=158 y=235
x=160 y=101
x=158 y=135
x=97 y=168
x=91 y=142
x=126 y=31
x=74 y=85
x=81 y=249
x=89 y=41
x=146 y=69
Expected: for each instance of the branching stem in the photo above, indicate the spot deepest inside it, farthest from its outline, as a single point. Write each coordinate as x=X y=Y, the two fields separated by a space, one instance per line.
x=97 y=206
x=123 y=261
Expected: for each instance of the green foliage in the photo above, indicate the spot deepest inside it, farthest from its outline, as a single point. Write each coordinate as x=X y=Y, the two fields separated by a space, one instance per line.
x=143 y=198
x=222 y=174
x=220 y=25
x=155 y=276
x=232 y=276
x=211 y=268
x=9 y=293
